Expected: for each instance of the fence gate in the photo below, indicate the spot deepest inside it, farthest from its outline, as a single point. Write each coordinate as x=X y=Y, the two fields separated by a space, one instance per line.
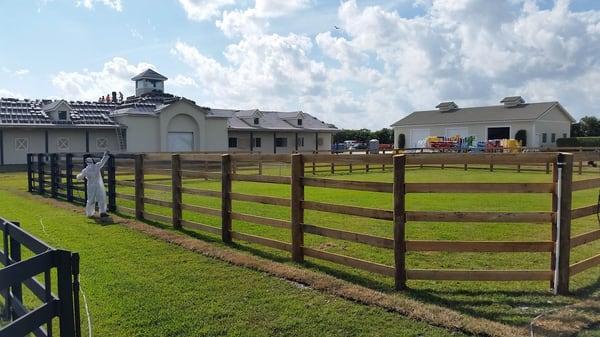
x=55 y=175
x=18 y=272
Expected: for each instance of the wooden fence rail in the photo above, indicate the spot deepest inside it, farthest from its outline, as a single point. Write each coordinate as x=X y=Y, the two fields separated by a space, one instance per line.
x=225 y=168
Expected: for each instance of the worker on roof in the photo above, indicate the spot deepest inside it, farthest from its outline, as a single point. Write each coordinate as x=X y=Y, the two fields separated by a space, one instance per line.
x=95 y=186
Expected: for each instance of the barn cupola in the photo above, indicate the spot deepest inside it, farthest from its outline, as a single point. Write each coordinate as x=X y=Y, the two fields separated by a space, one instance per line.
x=512 y=101
x=149 y=81
x=446 y=106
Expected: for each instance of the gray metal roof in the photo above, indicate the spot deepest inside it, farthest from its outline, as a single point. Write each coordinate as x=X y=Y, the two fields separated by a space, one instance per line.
x=149 y=74
x=521 y=112
x=243 y=120
x=32 y=113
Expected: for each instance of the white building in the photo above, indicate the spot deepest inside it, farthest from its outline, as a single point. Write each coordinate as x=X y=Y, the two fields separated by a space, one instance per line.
x=151 y=121
x=543 y=123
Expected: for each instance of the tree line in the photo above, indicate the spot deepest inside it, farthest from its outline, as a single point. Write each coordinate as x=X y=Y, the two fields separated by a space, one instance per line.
x=588 y=126
x=385 y=135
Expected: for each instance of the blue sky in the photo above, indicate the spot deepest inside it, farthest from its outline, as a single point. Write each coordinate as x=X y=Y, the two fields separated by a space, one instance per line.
x=388 y=59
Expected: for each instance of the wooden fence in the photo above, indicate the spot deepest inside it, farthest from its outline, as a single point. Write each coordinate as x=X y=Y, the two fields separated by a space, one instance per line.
x=18 y=272
x=166 y=172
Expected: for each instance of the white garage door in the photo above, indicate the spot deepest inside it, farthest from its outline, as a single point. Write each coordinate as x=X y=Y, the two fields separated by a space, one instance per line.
x=417 y=137
x=180 y=141
x=462 y=132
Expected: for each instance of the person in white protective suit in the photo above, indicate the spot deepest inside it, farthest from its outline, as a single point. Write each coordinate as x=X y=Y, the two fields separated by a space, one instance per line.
x=95 y=186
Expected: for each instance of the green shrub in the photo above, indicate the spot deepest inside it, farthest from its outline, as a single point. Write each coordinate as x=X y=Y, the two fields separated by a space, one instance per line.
x=578 y=142
x=401 y=141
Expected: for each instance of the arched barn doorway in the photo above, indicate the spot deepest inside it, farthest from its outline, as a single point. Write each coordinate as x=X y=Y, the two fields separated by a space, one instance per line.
x=182 y=134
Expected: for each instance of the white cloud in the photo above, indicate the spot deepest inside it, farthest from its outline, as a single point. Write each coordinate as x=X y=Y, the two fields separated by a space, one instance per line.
x=200 y=10
x=21 y=72
x=89 y=4
x=183 y=81
x=115 y=75
x=273 y=8
x=9 y=94
x=242 y=23
x=388 y=65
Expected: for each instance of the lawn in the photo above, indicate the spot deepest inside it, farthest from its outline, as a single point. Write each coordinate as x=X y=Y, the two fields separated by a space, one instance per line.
x=139 y=286
x=514 y=303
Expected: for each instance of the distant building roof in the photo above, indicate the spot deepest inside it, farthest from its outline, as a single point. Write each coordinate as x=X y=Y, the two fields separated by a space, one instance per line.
x=149 y=74
x=32 y=113
x=519 y=112
x=243 y=120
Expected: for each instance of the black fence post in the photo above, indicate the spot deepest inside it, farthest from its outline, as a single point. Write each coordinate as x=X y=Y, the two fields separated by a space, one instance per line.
x=5 y=314
x=54 y=177
x=65 y=286
x=41 y=160
x=15 y=256
x=29 y=172
x=69 y=173
x=112 y=182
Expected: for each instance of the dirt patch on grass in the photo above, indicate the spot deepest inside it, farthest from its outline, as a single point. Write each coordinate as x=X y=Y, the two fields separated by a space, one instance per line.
x=429 y=313
x=569 y=320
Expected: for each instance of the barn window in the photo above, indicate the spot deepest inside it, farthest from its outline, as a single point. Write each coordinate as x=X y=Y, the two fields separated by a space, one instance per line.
x=553 y=138
x=281 y=142
x=299 y=121
x=63 y=143
x=256 y=121
x=257 y=142
x=301 y=141
x=320 y=141
x=544 y=137
x=233 y=142
x=101 y=143
x=564 y=135
x=62 y=115
x=21 y=144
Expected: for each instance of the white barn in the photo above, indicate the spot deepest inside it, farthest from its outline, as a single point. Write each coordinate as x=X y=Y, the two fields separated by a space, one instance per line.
x=542 y=122
x=151 y=121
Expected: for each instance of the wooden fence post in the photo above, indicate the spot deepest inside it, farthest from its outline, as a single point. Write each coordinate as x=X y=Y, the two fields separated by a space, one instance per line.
x=367 y=165
x=260 y=165
x=547 y=168
x=69 y=174
x=383 y=165
x=226 y=198
x=176 y=190
x=41 y=160
x=314 y=165
x=139 y=186
x=350 y=164
x=580 y=169
x=112 y=184
x=565 y=162
x=296 y=208
x=399 y=222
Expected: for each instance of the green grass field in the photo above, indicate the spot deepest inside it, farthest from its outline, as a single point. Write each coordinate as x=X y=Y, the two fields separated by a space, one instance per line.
x=139 y=286
x=514 y=303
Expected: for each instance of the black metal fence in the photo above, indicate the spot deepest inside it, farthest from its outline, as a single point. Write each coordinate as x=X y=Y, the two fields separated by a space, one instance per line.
x=17 y=272
x=55 y=175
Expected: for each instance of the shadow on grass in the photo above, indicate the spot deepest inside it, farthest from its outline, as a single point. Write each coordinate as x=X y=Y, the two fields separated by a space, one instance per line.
x=508 y=306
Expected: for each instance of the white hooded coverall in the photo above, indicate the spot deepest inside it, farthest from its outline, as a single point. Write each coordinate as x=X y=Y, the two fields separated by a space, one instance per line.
x=95 y=186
